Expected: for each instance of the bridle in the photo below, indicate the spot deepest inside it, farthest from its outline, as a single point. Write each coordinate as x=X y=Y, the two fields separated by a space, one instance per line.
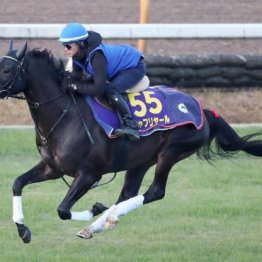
x=5 y=93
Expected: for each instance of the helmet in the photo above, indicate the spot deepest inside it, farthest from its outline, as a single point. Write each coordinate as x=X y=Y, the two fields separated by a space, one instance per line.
x=73 y=32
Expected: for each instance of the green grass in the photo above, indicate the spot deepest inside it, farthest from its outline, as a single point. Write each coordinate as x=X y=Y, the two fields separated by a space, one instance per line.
x=209 y=213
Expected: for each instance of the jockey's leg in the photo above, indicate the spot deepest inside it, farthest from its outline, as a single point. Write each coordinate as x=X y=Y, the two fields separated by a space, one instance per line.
x=129 y=126
x=116 y=92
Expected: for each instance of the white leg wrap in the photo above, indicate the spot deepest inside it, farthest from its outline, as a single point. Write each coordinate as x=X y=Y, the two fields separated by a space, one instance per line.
x=98 y=225
x=126 y=206
x=82 y=216
x=18 y=216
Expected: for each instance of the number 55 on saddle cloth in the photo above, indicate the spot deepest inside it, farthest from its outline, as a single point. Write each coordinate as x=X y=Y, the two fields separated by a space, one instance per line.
x=154 y=109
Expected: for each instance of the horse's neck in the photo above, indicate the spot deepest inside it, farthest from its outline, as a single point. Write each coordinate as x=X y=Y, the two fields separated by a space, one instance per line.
x=41 y=84
x=46 y=102
x=41 y=90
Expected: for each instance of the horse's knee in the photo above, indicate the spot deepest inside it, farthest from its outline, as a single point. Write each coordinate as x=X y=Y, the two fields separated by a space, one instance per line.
x=64 y=214
x=17 y=187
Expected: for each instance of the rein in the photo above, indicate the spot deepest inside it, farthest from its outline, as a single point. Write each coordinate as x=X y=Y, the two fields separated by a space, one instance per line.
x=36 y=105
x=82 y=119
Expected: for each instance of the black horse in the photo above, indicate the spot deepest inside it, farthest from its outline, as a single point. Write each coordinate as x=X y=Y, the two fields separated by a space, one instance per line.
x=71 y=143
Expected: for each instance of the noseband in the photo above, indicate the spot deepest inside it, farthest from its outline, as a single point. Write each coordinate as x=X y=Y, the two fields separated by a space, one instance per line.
x=5 y=93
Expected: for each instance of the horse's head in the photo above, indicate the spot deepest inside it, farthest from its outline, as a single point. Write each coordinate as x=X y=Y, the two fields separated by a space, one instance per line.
x=12 y=79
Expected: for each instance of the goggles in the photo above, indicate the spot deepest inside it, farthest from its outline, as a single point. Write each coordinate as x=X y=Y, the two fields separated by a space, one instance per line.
x=68 y=46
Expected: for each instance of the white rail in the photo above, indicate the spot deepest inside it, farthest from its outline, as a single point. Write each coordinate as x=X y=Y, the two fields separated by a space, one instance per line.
x=138 y=31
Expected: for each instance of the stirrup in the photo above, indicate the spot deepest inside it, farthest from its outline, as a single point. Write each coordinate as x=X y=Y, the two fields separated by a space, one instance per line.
x=132 y=134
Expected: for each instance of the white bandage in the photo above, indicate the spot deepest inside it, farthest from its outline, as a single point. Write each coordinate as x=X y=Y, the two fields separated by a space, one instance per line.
x=82 y=216
x=18 y=216
x=98 y=225
x=126 y=206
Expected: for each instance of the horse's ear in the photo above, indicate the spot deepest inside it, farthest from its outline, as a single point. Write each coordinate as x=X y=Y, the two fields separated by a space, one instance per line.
x=10 y=46
x=21 y=53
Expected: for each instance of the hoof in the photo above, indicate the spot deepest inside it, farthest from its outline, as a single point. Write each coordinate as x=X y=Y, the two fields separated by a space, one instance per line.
x=110 y=223
x=24 y=233
x=85 y=233
x=98 y=208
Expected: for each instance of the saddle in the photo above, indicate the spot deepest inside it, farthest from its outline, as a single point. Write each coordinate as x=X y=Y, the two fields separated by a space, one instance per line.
x=140 y=86
x=156 y=108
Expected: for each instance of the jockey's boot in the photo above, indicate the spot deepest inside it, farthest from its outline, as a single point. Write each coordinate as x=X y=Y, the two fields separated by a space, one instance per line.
x=129 y=126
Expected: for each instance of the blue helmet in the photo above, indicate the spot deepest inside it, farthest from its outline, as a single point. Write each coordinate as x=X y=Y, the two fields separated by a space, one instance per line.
x=73 y=32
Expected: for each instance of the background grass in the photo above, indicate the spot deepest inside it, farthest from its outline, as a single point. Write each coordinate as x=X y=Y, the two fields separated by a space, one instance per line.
x=209 y=213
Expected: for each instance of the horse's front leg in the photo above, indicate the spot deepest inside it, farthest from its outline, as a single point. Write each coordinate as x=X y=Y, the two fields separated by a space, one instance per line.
x=81 y=184
x=41 y=172
x=87 y=215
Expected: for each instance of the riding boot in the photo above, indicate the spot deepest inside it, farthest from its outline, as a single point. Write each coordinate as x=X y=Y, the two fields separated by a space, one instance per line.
x=129 y=126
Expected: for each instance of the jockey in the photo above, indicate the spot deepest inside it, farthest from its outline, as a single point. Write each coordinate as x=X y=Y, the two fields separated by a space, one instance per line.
x=114 y=69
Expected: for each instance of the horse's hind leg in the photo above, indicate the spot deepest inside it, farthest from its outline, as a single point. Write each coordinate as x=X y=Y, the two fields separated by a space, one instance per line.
x=41 y=172
x=133 y=180
x=155 y=192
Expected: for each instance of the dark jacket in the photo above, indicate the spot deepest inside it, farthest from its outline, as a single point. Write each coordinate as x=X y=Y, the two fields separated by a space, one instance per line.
x=87 y=85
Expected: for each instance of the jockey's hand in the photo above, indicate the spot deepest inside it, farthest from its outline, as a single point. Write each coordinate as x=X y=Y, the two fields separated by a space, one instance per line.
x=70 y=82
x=73 y=87
x=75 y=77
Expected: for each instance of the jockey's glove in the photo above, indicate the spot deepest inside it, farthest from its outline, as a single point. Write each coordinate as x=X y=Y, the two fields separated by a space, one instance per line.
x=70 y=83
x=77 y=79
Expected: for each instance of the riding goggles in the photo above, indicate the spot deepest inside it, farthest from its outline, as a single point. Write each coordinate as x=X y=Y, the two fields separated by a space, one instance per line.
x=68 y=46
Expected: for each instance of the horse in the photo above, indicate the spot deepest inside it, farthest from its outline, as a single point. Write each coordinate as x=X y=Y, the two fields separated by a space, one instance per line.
x=70 y=142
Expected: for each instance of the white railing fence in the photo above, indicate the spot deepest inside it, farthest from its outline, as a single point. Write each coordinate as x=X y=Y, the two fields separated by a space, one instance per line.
x=138 y=31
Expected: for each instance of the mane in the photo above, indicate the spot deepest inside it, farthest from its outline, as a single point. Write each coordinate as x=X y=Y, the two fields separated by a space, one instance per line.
x=54 y=65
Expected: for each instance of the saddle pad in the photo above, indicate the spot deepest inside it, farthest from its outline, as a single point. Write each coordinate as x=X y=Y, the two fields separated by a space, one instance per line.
x=154 y=109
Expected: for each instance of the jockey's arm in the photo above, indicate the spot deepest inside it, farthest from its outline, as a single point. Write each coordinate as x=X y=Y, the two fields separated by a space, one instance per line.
x=98 y=85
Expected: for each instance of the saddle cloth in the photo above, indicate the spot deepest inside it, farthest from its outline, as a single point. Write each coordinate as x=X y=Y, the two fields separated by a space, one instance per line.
x=154 y=109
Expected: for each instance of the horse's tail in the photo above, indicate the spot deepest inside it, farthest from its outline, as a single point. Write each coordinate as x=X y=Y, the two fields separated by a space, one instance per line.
x=227 y=141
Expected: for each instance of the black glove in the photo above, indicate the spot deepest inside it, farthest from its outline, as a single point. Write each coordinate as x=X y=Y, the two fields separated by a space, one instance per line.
x=71 y=83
